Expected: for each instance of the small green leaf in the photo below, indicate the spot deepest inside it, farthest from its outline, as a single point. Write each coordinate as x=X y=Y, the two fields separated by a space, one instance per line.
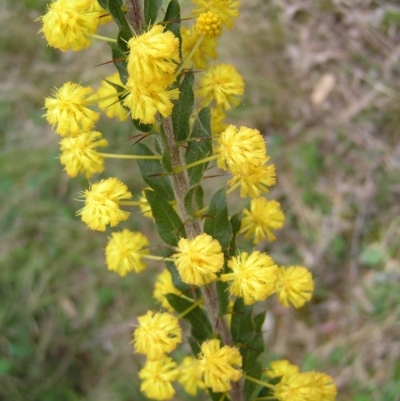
x=166 y=155
x=217 y=222
x=194 y=199
x=169 y=225
x=223 y=297
x=115 y=9
x=151 y=8
x=176 y=280
x=183 y=108
x=119 y=60
x=199 y=146
x=250 y=386
x=103 y=3
x=142 y=127
x=201 y=328
x=236 y=222
x=242 y=326
x=173 y=17
x=153 y=173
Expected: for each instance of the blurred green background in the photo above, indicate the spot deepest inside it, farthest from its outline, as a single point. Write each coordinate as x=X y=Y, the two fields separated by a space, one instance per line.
x=322 y=83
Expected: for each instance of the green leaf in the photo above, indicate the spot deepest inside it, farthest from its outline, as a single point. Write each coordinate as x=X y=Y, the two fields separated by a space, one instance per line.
x=201 y=328
x=153 y=173
x=236 y=222
x=103 y=3
x=250 y=386
x=142 y=127
x=119 y=60
x=176 y=280
x=151 y=8
x=242 y=326
x=166 y=155
x=200 y=146
x=217 y=222
x=173 y=14
x=194 y=199
x=183 y=108
x=169 y=225
x=223 y=297
x=115 y=9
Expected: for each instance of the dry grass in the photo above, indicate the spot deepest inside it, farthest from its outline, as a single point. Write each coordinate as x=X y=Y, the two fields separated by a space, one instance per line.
x=322 y=84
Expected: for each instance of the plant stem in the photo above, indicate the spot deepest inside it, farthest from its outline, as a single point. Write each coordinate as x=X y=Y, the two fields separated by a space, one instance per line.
x=134 y=15
x=180 y=184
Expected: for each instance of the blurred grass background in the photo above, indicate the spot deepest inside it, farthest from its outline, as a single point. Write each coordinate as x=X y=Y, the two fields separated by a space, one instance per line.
x=322 y=83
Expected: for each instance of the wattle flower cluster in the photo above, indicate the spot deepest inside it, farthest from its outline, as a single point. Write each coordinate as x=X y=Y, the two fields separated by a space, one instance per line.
x=151 y=65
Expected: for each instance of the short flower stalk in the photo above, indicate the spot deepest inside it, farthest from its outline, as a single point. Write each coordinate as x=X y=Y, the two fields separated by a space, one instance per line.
x=176 y=98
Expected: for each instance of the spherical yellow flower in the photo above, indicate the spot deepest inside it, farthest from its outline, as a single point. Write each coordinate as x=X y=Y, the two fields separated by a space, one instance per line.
x=112 y=107
x=325 y=386
x=296 y=387
x=241 y=150
x=262 y=217
x=227 y=10
x=221 y=83
x=145 y=100
x=102 y=204
x=295 y=286
x=157 y=334
x=69 y=24
x=79 y=154
x=281 y=368
x=203 y=54
x=67 y=110
x=256 y=182
x=253 y=276
x=164 y=286
x=209 y=25
x=219 y=366
x=199 y=259
x=190 y=376
x=157 y=377
x=153 y=55
x=125 y=250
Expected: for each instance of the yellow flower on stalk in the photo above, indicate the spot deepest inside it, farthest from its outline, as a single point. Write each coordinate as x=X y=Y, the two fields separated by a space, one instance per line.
x=145 y=100
x=157 y=335
x=223 y=84
x=125 y=250
x=163 y=286
x=281 y=368
x=295 y=286
x=219 y=366
x=112 y=107
x=262 y=217
x=153 y=55
x=241 y=150
x=69 y=24
x=208 y=25
x=79 y=154
x=256 y=182
x=68 y=112
x=190 y=376
x=157 y=377
x=199 y=259
x=253 y=276
x=102 y=204
x=203 y=54
x=227 y=10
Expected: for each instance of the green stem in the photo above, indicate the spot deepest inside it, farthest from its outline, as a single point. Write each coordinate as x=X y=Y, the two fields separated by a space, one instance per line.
x=104 y=38
x=196 y=163
x=158 y=258
x=194 y=306
x=134 y=157
x=259 y=382
x=190 y=56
